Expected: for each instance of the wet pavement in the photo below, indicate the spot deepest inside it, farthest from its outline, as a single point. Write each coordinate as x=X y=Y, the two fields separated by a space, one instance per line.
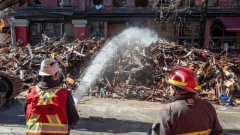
x=112 y=116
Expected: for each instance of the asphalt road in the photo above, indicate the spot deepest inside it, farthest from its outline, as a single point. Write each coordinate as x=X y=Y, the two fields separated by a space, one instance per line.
x=112 y=116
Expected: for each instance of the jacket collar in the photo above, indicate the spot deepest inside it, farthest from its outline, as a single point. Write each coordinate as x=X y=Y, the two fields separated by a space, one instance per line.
x=48 y=83
x=180 y=97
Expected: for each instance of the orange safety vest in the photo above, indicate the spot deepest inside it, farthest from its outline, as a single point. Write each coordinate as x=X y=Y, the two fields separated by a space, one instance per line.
x=46 y=111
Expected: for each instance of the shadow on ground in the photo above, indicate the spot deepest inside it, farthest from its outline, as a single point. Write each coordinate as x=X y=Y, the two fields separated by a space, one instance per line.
x=12 y=114
x=111 y=125
x=231 y=132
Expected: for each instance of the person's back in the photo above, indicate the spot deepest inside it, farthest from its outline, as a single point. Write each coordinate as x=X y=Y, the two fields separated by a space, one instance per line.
x=50 y=108
x=186 y=115
x=46 y=111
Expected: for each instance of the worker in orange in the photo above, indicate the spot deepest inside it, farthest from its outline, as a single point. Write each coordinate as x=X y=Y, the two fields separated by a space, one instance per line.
x=50 y=108
x=186 y=115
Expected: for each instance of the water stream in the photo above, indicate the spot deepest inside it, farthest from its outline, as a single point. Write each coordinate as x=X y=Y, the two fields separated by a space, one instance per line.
x=144 y=36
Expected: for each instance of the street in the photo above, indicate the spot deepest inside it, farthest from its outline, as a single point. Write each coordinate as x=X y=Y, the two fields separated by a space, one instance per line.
x=112 y=116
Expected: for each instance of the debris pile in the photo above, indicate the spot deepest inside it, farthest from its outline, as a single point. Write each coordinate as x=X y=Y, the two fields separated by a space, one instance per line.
x=138 y=72
x=135 y=72
x=24 y=62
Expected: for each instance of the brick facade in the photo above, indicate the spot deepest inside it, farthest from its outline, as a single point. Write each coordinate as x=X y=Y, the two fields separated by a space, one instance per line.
x=115 y=19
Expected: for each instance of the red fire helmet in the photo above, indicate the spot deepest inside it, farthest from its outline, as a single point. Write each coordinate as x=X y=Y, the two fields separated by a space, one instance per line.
x=185 y=79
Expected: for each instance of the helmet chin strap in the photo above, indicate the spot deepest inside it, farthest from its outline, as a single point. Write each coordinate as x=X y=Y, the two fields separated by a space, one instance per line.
x=174 y=94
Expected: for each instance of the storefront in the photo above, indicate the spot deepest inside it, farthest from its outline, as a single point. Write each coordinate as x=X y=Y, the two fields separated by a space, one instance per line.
x=225 y=33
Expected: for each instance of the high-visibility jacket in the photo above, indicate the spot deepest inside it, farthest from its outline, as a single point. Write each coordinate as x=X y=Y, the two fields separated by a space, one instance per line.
x=46 y=111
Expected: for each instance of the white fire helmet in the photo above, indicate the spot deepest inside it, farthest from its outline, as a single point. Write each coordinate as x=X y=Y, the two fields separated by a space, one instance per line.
x=49 y=67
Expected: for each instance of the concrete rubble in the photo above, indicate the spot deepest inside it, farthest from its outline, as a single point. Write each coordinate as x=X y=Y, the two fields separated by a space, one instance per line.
x=136 y=72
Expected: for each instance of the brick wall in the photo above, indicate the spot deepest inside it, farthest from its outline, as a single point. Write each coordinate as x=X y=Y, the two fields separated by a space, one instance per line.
x=49 y=4
x=223 y=4
x=22 y=7
x=52 y=4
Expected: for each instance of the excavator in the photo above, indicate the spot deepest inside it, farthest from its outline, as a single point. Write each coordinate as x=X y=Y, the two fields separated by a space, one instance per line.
x=9 y=83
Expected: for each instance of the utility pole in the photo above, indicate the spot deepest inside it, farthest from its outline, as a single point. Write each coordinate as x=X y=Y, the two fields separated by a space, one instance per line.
x=202 y=24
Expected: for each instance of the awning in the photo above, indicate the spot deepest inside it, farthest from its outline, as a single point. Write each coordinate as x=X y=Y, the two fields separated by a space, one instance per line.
x=232 y=24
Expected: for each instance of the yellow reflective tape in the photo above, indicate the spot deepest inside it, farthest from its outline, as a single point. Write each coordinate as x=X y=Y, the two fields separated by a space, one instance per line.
x=205 y=132
x=57 y=118
x=47 y=124
x=47 y=131
x=40 y=96
x=49 y=119
x=177 y=82
x=54 y=93
x=34 y=121
x=57 y=90
x=182 y=84
x=197 y=88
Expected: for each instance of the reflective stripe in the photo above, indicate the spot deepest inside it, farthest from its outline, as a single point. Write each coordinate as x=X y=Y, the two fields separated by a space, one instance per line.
x=47 y=131
x=53 y=120
x=33 y=119
x=205 y=132
x=54 y=125
x=177 y=82
x=182 y=84
x=47 y=128
x=47 y=95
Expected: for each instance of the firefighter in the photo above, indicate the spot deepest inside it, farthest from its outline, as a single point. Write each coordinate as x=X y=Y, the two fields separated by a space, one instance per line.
x=50 y=108
x=186 y=115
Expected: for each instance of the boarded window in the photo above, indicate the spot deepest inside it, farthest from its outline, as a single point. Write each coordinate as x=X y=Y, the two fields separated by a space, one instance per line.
x=141 y=3
x=95 y=29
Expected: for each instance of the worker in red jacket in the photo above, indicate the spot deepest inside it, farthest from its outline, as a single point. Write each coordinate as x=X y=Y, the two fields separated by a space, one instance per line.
x=50 y=108
x=186 y=115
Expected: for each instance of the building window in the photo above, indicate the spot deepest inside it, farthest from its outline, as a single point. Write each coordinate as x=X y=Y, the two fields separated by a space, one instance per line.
x=162 y=3
x=213 y=3
x=65 y=3
x=119 y=3
x=163 y=29
x=50 y=29
x=95 y=29
x=35 y=3
x=234 y=3
x=141 y=3
x=97 y=4
x=35 y=29
x=187 y=3
x=138 y=24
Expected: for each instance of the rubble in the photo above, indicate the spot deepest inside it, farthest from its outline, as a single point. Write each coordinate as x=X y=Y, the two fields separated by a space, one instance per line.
x=24 y=62
x=136 y=72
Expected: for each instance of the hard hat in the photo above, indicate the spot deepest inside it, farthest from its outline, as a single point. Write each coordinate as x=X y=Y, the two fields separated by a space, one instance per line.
x=49 y=67
x=185 y=79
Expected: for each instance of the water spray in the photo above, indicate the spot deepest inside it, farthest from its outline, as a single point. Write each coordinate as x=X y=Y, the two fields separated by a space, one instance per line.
x=144 y=36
